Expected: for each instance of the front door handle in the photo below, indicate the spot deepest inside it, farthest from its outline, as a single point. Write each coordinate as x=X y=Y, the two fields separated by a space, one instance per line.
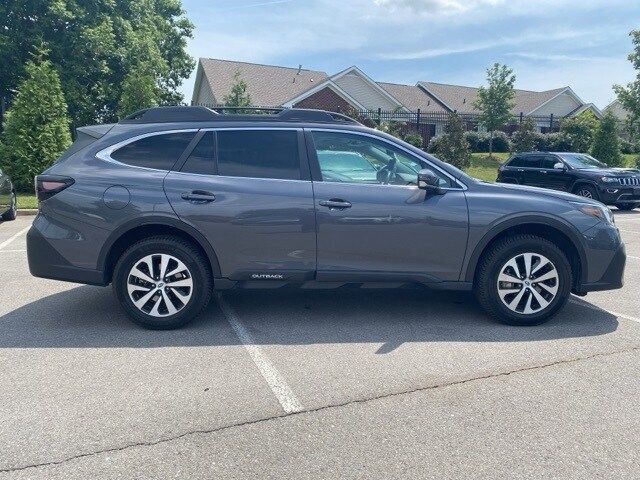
x=335 y=204
x=198 y=196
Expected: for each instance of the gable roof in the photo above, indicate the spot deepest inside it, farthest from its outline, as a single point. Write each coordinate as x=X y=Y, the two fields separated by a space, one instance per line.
x=413 y=97
x=268 y=85
x=461 y=98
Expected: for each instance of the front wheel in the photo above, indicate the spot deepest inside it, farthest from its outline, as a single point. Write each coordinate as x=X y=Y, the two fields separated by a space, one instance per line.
x=587 y=191
x=523 y=280
x=162 y=282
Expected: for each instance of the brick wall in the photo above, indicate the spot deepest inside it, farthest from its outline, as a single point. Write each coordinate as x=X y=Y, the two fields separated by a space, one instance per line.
x=325 y=99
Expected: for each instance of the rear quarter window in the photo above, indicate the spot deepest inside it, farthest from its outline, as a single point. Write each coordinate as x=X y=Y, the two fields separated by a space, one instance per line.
x=156 y=151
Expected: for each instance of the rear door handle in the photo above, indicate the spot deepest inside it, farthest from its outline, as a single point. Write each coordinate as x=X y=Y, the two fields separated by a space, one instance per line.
x=198 y=196
x=521 y=169
x=335 y=204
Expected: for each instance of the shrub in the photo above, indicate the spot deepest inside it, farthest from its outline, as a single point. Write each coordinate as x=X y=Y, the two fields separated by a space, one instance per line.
x=480 y=142
x=557 y=142
x=579 y=130
x=638 y=162
x=605 y=142
x=434 y=143
x=414 y=139
x=36 y=127
x=524 y=138
x=452 y=146
x=628 y=147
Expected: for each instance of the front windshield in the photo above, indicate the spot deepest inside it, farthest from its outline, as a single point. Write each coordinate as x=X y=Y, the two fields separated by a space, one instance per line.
x=581 y=160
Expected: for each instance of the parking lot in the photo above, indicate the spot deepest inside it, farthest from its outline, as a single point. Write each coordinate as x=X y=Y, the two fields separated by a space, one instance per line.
x=314 y=384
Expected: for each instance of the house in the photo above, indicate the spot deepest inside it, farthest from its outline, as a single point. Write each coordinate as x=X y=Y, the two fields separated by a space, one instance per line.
x=274 y=86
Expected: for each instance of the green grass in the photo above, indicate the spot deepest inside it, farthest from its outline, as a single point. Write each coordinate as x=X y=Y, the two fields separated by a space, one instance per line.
x=27 y=200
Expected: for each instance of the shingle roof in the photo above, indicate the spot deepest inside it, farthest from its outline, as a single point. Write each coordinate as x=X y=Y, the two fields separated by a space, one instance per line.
x=412 y=97
x=267 y=85
x=461 y=98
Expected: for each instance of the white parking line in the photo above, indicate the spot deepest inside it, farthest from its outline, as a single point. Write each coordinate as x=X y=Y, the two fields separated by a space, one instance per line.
x=274 y=379
x=12 y=251
x=7 y=242
x=599 y=309
x=634 y=257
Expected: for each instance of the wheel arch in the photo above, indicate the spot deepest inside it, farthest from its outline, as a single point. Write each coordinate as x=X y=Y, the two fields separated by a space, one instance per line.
x=581 y=181
x=556 y=230
x=130 y=232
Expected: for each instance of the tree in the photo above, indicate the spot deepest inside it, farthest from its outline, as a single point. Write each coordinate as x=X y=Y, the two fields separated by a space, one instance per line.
x=496 y=100
x=629 y=97
x=606 y=145
x=452 y=147
x=36 y=127
x=524 y=138
x=580 y=130
x=238 y=97
x=95 y=45
x=139 y=91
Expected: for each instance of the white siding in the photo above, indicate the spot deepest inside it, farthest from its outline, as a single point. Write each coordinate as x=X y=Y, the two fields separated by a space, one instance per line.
x=204 y=93
x=363 y=92
x=559 y=106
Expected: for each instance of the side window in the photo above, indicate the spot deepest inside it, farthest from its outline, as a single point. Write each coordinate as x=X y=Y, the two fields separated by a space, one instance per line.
x=200 y=159
x=548 y=162
x=259 y=154
x=351 y=158
x=516 y=162
x=532 y=161
x=156 y=151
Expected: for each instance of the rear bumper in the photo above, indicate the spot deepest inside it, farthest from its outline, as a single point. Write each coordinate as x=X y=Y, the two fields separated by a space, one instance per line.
x=46 y=262
x=613 y=276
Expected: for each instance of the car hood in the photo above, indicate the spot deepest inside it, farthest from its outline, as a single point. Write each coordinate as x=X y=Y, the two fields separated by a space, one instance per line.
x=614 y=172
x=569 y=197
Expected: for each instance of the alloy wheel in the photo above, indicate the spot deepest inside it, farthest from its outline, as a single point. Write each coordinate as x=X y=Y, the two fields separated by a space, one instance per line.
x=585 y=193
x=160 y=285
x=528 y=283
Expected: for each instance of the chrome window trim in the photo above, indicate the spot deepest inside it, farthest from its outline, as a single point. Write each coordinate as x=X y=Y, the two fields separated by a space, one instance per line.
x=105 y=153
x=409 y=152
x=235 y=177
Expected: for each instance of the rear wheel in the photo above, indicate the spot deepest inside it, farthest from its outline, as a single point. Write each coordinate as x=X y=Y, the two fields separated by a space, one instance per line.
x=523 y=280
x=162 y=282
x=587 y=191
x=12 y=213
x=627 y=206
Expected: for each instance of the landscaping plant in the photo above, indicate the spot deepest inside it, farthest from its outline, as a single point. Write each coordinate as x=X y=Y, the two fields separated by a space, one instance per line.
x=606 y=146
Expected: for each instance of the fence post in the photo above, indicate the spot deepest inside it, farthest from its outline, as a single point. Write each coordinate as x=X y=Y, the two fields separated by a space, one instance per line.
x=418 y=120
x=521 y=115
x=379 y=116
x=551 y=122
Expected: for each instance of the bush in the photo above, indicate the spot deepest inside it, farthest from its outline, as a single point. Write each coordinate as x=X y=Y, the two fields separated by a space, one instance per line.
x=452 y=146
x=605 y=142
x=556 y=142
x=628 y=147
x=638 y=163
x=579 y=131
x=435 y=143
x=36 y=127
x=414 y=139
x=479 y=142
x=524 y=138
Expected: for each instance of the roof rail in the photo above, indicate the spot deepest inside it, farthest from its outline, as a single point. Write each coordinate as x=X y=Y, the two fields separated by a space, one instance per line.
x=171 y=114
x=247 y=114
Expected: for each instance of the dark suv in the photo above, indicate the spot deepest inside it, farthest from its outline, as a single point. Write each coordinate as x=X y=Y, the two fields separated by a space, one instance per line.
x=577 y=173
x=174 y=202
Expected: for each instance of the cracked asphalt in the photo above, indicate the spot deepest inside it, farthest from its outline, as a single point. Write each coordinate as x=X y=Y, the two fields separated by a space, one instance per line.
x=315 y=384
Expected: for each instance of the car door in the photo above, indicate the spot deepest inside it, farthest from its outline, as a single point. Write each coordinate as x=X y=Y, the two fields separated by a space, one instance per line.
x=512 y=171
x=249 y=192
x=531 y=170
x=383 y=228
x=554 y=178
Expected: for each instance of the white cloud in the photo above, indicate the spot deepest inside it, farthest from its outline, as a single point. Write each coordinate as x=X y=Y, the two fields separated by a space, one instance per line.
x=437 y=6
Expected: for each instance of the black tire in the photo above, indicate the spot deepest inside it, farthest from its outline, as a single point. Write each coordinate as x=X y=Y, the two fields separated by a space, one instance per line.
x=587 y=191
x=627 y=206
x=485 y=285
x=184 y=251
x=12 y=213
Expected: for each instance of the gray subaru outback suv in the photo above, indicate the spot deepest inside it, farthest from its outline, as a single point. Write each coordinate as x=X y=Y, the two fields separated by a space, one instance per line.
x=174 y=202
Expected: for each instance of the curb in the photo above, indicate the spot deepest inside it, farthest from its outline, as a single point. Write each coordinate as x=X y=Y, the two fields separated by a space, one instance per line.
x=23 y=212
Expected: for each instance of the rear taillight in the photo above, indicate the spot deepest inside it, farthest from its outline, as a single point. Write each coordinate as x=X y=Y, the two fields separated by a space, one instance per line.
x=48 y=185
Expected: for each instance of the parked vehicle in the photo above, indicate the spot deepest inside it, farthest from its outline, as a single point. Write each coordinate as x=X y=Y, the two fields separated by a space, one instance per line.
x=174 y=202
x=577 y=173
x=8 y=209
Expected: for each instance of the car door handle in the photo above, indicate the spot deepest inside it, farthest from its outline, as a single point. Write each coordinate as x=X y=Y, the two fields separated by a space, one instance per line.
x=198 y=196
x=543 y=171
x=521 y=169
x=335 y=204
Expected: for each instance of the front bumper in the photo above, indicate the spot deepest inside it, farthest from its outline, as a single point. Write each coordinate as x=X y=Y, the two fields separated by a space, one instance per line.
x=611 y=279
x=613 y=195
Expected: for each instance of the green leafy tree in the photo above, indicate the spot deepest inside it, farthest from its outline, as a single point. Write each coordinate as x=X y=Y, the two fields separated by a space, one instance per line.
x=452 y=146
x=524 y=138
x=36 y=127
x=629 y=96
x=238 y=97
x=606 y=145
x=495 y=101
x=95 y=46
x=580 y=130
x=139 y=91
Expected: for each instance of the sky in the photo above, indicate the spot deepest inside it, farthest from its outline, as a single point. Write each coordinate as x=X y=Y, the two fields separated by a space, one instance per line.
x=548 y=43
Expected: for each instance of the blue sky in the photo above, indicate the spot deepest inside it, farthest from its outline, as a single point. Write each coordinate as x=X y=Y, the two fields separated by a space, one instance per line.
x=548 y=43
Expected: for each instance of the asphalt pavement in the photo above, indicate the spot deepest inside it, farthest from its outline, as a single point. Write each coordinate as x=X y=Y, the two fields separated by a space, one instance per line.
x=315 y=384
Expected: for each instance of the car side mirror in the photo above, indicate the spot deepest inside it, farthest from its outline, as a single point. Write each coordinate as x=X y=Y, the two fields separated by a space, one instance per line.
x=429 y=181
x=559 y=166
